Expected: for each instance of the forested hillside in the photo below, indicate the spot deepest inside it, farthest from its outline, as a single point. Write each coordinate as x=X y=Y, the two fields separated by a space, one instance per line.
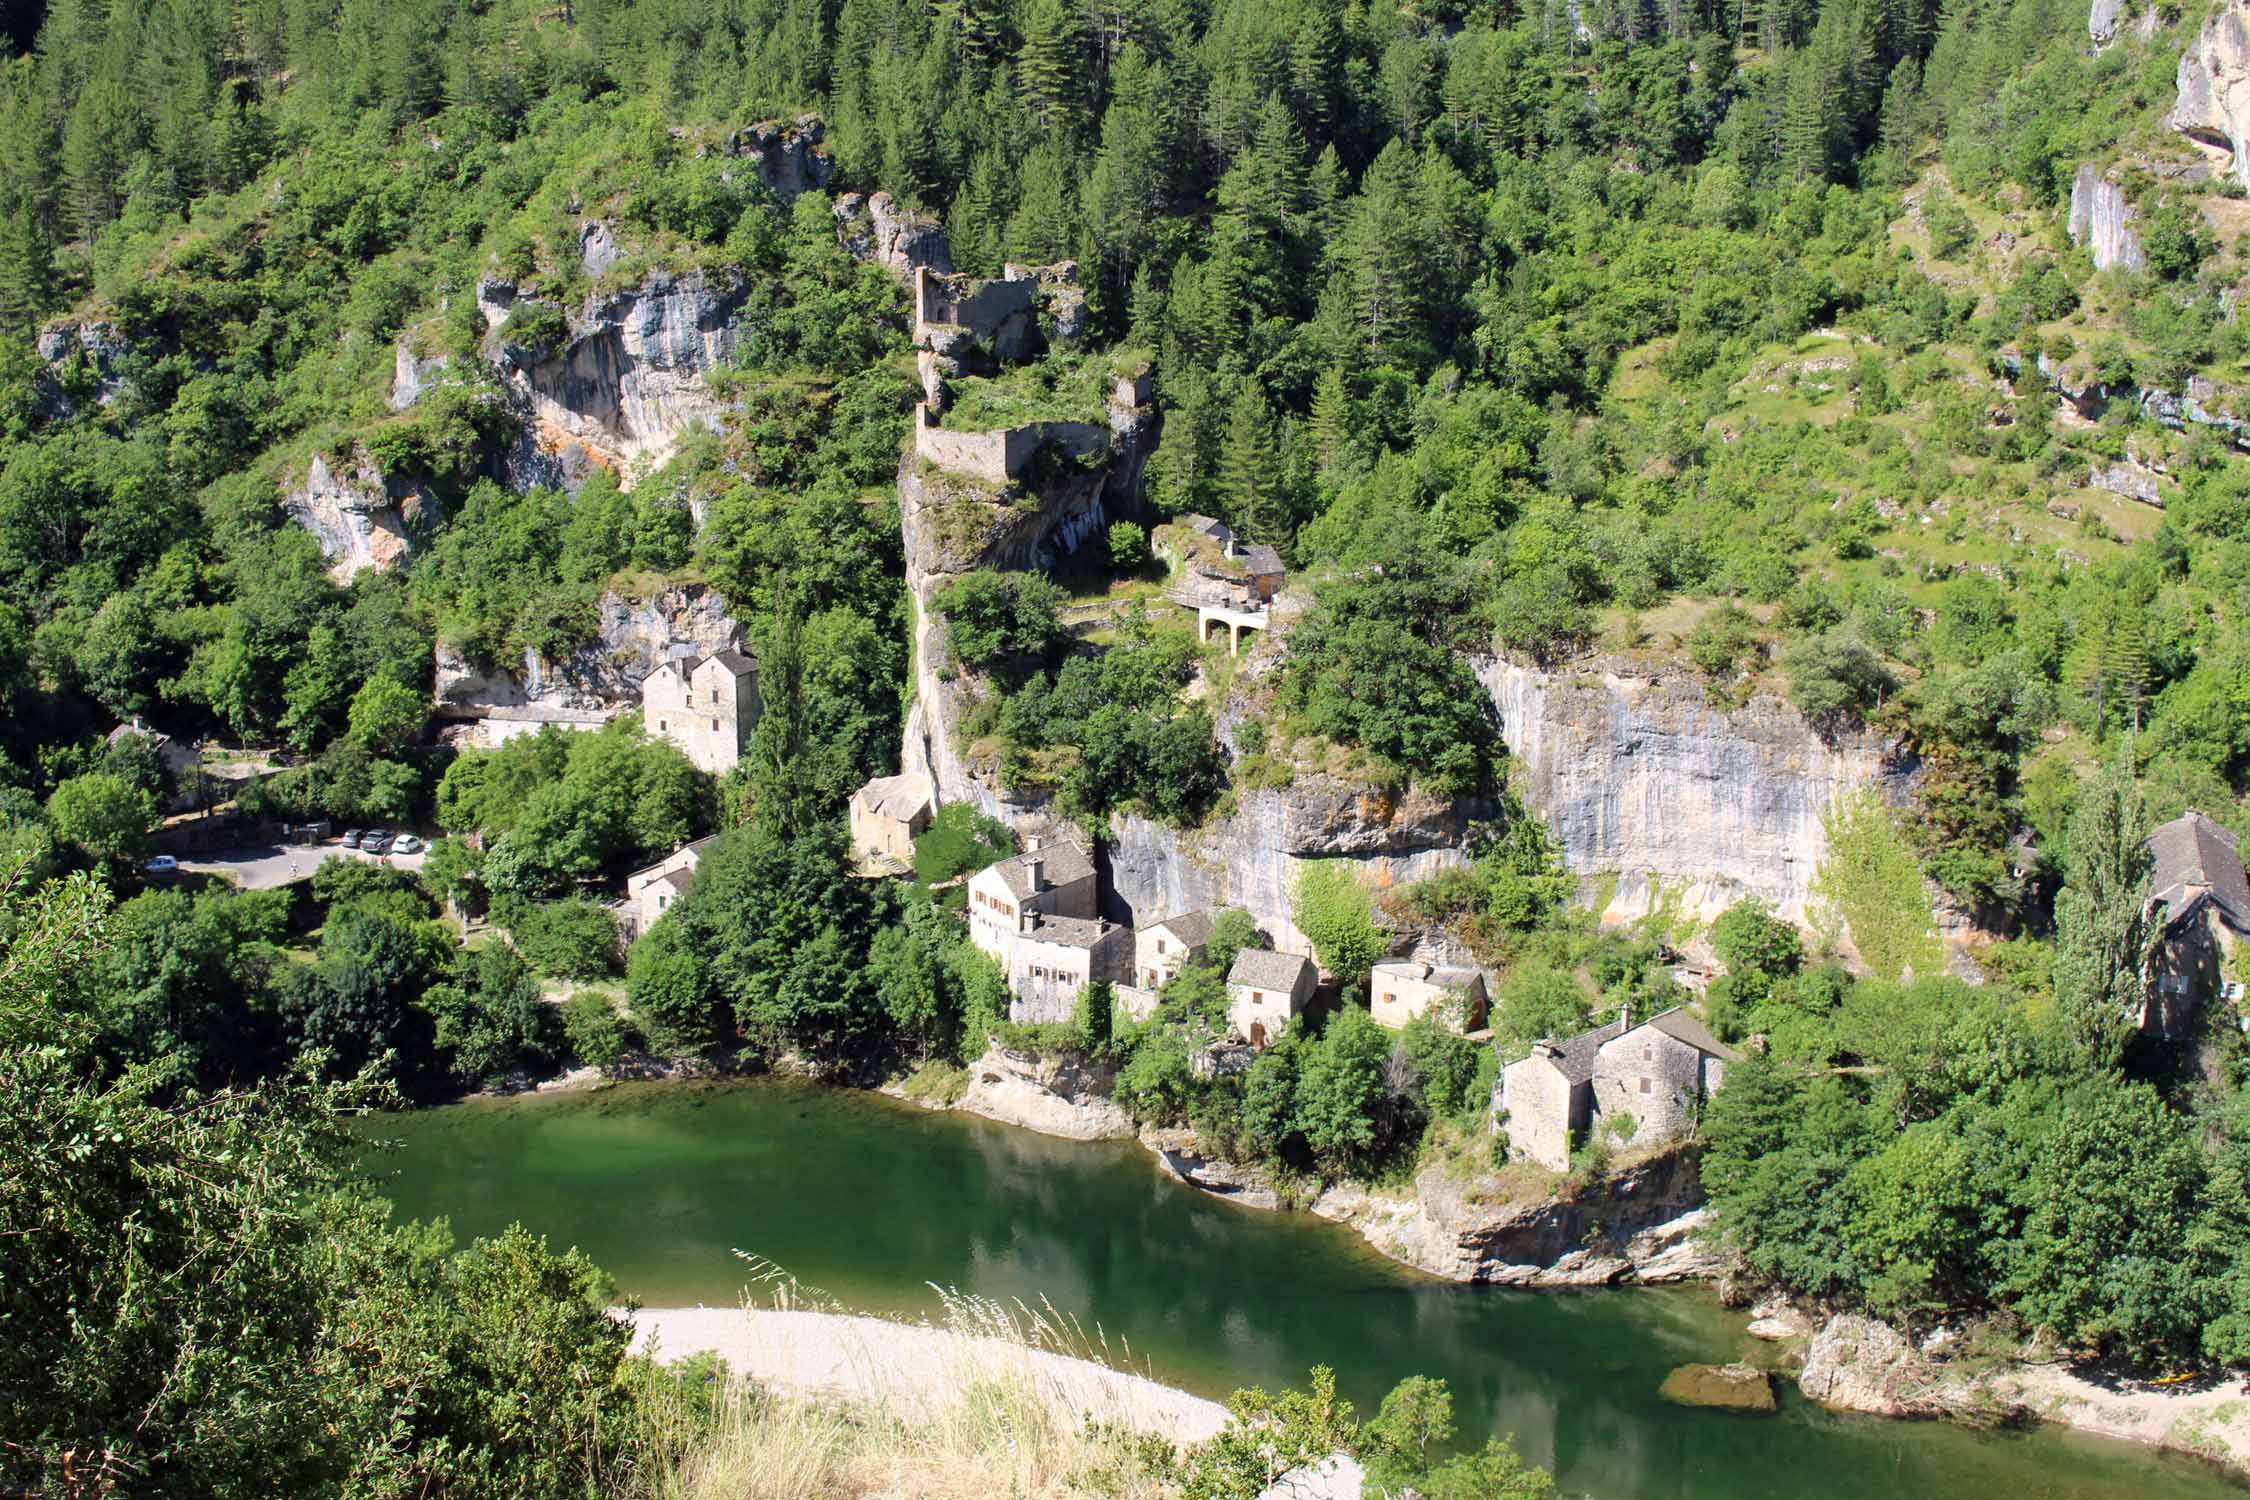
x=1877 y=355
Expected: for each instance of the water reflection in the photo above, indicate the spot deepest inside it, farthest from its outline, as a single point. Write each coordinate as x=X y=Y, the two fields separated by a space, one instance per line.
x=871 y=1201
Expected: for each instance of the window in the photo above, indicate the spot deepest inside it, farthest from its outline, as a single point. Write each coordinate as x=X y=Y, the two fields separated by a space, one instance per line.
x=661 y=726
x=1160 y=945
x=714 y=726
x=1644 y=1085
x=1389 y=998
x=714 y=695
x=1256 y=998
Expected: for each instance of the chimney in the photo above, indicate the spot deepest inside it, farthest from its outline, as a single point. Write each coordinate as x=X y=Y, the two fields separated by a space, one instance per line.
x=1546 y=1048
x=1036 y=870
x=1227 y=546
x=1624 y=1018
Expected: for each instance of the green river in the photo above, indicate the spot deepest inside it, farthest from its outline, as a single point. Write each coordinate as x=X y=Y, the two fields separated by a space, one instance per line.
x=870 y=1202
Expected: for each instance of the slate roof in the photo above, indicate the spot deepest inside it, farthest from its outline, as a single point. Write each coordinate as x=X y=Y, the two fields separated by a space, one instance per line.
x=898 y=797
x=156 y=737
x=1575 y=1058
x=1681 y=1025
x=1264 y=969
x=739 y=662
x=2192 y=857
x=1453 y=976
x=1069 y=932
x=678 y=880
x=1256 y=557
x=695 y=849
x=1065 y=864
x=1190 y=927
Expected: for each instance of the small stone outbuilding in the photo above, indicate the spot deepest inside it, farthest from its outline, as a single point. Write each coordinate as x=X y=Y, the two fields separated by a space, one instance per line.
x=1648 y=1082
x=1402 y=989
x=887 y=816
x=1161 y=949
x=1546 y=1098
x=2200 y=904
x=651 y=892
x=1266 y=992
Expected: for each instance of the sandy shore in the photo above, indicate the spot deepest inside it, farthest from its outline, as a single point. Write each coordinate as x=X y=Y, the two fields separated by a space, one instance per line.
x=872 y=1359
x=2211 y=1422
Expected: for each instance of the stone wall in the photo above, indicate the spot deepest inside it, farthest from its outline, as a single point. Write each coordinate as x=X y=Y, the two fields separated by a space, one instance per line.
x=1538 y=1108
x=1001 y=456
x=1656 y=1079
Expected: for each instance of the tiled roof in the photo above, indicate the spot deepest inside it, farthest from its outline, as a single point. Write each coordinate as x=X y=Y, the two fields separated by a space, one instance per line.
x=2193 y=856
x=1264 y=969
x=1064 y=863
x=898 y=798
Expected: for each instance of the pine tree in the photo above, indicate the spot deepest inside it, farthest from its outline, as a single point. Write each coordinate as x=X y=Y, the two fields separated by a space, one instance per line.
x=2102 y=935
x=1050 y=65
x=27 y=270
x=1250 y=469
x=1331 y=420
x=1044 y=227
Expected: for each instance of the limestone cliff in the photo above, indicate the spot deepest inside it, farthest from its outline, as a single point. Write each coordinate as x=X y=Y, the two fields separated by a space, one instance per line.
x=361 y=518
x=2213 y=108
x=1688 y=805
x=631 y=639
x=85 y=353
x=627 y=383
x=2101 y=218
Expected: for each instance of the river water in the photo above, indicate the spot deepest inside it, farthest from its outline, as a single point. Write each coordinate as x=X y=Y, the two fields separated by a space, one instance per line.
x=870 y=1202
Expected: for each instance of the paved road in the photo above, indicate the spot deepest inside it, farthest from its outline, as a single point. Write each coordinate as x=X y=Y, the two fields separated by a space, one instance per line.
x=264 y=866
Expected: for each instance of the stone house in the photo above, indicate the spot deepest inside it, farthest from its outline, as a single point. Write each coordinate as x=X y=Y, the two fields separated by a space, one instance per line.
x=649 y=893
x=1052 y=960
x=1656 y=1075
x=181 y=762
x=1229 y=583
x=887 y=816
x=1266 y=991
x=708 y=706
x=2200 y=908
x=1401 y=989
x=1162 y=948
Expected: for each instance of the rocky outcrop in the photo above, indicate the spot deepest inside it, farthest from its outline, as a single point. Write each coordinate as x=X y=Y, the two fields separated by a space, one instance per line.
x=628 y=382
x=1736 y=1387
x=879 y=229
x=2200 y=405
x=788 y=154
x=2101 y=21
x=1058 y=1096
x=1859 y=1364
x=413 y=375
x=2128 y=480
x=81 y=355
x=632 y=637
x=2213 y=108
x=361 y=518
x=1690 y=806
x=2101 y=219
x=1180 y=1152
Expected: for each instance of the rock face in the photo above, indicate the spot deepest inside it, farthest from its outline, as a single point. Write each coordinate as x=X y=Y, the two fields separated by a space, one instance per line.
x=101 y=348
x=1858 y=1364
x=1180 y=1152
x=1052 y=1096
x=1640 y=777
x=2213 y=108
x=629 y=382
x=2129 y=480
x=360 y=518
x=412 y=375
x=631 y=640
x=2101 y=218
x=1644 y=1224
x=788 y=154
x=877 y=228
x=2200 y=405
x=2101 y=21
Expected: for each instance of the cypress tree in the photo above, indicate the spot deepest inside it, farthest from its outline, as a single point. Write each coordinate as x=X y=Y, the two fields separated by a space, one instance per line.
x=1250 y=468
x=2102 y=936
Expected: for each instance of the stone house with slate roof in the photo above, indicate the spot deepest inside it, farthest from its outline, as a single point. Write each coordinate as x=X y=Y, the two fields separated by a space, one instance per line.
x=1657 y=1074
x=707 y=706
x=651 y=892
x=1402 y=988
x=1266 y=991
x=887 y=816
x=1035 y=914
x=2200 y=904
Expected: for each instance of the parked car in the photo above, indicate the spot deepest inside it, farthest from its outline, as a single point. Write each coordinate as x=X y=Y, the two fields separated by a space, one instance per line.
x=352 y=836
x=375 y=841
x=160 y=864
x=407 y=843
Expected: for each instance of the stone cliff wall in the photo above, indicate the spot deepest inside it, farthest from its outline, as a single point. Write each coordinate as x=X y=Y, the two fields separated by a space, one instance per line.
x=1642 y=778
x=2213 y=108
x=630 y=381
x=361 y=519
x=631 y=639
x=2100 y=218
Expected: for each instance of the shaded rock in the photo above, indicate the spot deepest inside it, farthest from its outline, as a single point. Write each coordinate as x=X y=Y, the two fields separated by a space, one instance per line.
x=2129 y=480
x=1735 y=1387
x=632 y=638
x=361 y=517
x=1777 y=1318
x=2101 y=21
x=2101 y=218
x=877 y=228
x=598 y=249
x=2213 y=79
x=1180 y=1152
x=789 y=155
x=1054 y=1096
x=412 y=375
x=1859 y=1364
x=82 y=354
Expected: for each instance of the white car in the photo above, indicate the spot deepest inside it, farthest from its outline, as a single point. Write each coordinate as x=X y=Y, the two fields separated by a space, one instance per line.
x=407 y=844
x=161 y=864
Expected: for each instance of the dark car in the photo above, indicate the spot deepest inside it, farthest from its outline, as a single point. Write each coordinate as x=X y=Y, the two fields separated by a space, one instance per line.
x=352 y=836
x=375 y=841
